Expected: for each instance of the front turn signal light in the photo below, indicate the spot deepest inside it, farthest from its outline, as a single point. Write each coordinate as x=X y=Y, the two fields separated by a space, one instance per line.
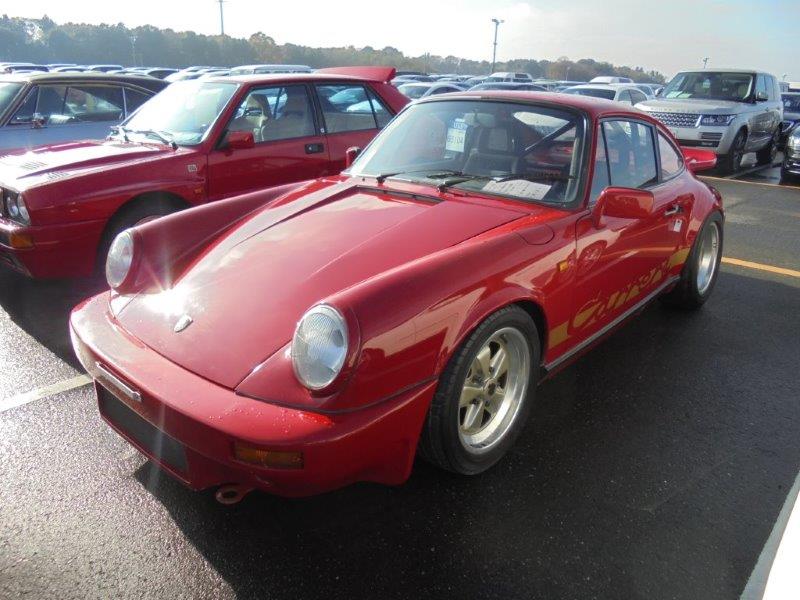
x=271 y=459
x=20 y=241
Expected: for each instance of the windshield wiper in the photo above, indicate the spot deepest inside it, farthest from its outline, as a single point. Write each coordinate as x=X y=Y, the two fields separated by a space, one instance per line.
x=534 y=178
x=437 y=173
x=162 y=136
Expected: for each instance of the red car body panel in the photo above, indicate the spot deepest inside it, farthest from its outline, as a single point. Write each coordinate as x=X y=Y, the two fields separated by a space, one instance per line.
x=84 y=184
x=413 y=269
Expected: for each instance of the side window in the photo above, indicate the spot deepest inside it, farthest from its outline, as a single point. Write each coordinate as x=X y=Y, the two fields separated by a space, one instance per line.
x=600 y=180
x=24 y=114
x=91 y=103
x=51 y=101
x=624 y=96
x=275 y=113
x=631 y=153
x=346 y=108
x=761 y=85
x=134 y=99
x=671 y=161
x=637 y=97
x=382 y=114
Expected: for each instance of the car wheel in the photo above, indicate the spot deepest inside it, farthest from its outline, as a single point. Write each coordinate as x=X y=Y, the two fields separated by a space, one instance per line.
x=135 y=213
x=484 y=394
x=732 y=161
x=766 y=156
x=701 y=268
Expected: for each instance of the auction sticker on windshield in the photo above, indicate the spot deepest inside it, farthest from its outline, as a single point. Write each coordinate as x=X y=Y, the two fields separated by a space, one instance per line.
x=456 y=136
x=519 y=188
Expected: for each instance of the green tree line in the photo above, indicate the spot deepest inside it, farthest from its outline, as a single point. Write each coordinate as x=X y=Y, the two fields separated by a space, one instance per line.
x=44 y=41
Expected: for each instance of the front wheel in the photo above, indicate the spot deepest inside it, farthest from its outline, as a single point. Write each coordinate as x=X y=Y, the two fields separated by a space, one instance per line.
x=484 y=394
x=732 y=161
x=701 y=268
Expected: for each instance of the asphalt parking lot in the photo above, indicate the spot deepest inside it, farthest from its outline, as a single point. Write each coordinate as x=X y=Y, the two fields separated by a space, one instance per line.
x=655 y=467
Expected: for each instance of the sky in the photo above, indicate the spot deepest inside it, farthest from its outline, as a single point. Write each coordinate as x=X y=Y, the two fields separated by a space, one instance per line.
x=665 y=35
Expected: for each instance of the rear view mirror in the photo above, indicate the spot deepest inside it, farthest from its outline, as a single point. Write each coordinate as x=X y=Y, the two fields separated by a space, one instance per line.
x=761 y=96
x=698 y=159
x=350 y=155
x=623 y=203
x=239 y=140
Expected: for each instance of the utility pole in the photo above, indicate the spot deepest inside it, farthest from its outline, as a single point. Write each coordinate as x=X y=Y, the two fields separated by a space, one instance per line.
x=221 y=18
x=133 y=49
x=494 y=52
x=705 y=62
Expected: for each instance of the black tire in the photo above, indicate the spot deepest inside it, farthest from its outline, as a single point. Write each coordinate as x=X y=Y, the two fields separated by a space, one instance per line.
x=134 y=213
x=440 y=441
x=766 y=156
x=686 y=294
x=732 y=161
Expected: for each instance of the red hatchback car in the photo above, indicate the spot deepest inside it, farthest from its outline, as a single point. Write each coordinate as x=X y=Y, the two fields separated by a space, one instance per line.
x=195 y=142
x=481 y=242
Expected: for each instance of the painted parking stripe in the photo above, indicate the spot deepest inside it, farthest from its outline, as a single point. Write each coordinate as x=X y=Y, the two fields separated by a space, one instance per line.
x=44 y=392
x=761 y=183
x=760 y=267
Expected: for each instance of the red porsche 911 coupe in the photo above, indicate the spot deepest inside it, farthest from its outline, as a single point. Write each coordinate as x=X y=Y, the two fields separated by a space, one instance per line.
x=299 y=339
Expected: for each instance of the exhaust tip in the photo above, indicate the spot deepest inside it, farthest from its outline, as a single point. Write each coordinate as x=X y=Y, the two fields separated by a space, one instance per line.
x=232 y=493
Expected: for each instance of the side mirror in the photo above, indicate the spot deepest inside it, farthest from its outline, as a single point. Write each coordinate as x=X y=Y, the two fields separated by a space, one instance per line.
x=761 y=97
x=622 y=203
x=350 y=155
x=698 y=159
x=239 y=140
x=38 y=121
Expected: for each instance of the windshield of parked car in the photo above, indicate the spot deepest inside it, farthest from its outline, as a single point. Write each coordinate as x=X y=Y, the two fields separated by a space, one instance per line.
x=413 y=91
x=182 y=113
x=515 y=150
x=791 y=103
x=8 y=91
x=707 y=85
x=593 y=92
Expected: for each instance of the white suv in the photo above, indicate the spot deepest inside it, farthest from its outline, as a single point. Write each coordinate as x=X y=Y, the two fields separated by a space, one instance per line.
x=730 y=112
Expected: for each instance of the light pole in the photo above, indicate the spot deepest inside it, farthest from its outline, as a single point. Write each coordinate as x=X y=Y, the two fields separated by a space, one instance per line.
x=705 y=62
x=133 y=49
x=494 y=52
x=221 y=19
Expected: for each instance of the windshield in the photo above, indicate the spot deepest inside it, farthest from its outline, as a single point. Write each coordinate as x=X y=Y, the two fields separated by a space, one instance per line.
x=515 y=150
x=413 y=91
x=8 y=91
x=707 y=85
x=183 y=112
x=593 y=92
x=791 y=103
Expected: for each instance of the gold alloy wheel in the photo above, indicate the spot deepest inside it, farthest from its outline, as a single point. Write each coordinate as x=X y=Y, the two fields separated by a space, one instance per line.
x=494 y=390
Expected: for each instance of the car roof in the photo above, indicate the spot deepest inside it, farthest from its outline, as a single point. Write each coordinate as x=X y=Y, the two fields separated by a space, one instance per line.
x=594 y=107
x=304 y=77
x=74 y=76
x=726 y=70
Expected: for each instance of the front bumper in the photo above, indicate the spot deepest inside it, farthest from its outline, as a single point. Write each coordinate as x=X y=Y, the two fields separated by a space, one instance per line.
x=50 y=251
x=791 y=161
x=716 y=139
x=189 y=426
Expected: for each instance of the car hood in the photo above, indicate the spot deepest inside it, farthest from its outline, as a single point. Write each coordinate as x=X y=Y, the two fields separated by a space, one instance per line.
x=248 y=289
x=24 y=169
x=697 y=107
x=791 y=116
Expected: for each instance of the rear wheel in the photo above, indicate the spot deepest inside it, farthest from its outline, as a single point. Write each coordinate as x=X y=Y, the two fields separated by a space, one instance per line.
x=701 y=268
x=732 y=161
x=484 y=395
x=766 y=156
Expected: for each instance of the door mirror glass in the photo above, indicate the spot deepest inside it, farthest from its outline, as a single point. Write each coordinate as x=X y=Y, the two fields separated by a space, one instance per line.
x=761 y=96
x=698 y=159
x=623 y=203
x=239 y=140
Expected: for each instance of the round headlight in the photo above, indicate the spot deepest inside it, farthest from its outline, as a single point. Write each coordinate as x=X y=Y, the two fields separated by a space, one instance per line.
x=22 y=211
x=120 y=259
x=319 y=347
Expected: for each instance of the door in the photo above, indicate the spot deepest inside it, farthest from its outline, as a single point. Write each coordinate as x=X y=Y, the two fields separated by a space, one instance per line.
x=352 y=114
x=623 y=261
x=762 y=119
x=288 y=145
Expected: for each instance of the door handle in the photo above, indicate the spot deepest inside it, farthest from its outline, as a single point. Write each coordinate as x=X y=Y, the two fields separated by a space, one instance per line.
x=673 y=210
x=315 y=148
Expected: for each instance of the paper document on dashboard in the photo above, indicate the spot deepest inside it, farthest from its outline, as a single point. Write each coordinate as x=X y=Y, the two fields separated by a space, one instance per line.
x=518 y=187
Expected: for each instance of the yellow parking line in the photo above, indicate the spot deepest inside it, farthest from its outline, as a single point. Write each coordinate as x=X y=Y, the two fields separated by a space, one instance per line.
x=761 y=183
x=758 y=266
x=44 y=392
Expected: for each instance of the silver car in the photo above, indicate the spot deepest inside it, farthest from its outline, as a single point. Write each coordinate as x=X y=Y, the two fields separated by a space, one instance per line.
x=47 y=108
x=731 y=112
